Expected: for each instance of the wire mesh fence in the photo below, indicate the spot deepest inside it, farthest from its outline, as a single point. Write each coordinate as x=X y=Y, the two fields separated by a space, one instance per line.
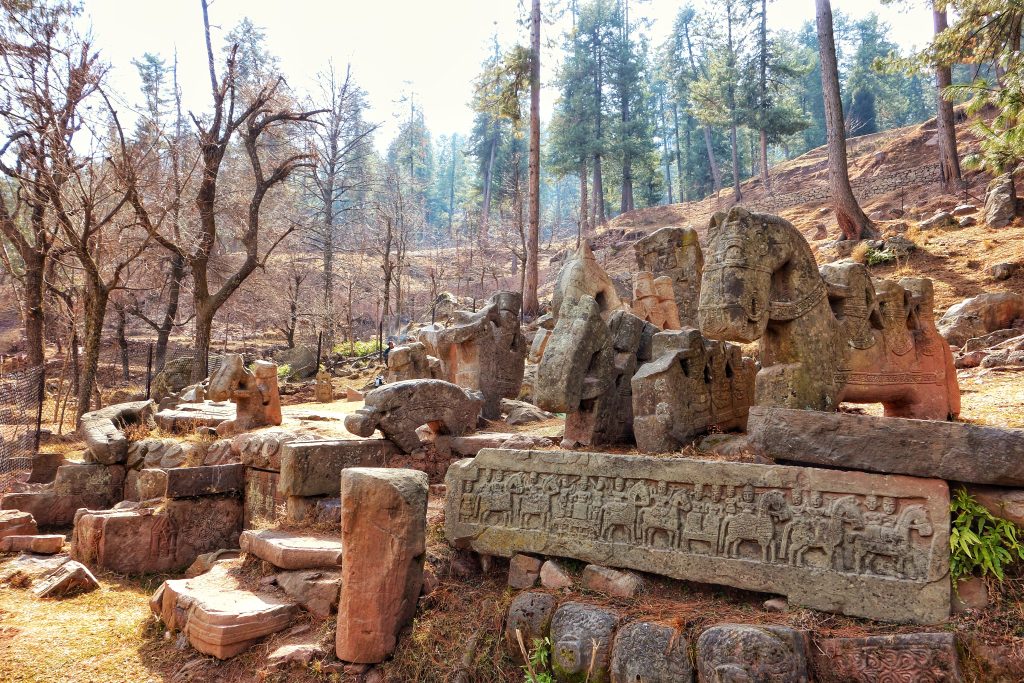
x=20 y=402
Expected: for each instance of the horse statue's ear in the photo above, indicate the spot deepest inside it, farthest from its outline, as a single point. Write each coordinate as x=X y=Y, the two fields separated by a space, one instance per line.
x=717 y=219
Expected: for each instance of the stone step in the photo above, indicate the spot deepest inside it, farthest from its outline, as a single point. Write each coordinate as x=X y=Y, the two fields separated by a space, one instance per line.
x=218 y=614
x=16 y=523
x=287 y=550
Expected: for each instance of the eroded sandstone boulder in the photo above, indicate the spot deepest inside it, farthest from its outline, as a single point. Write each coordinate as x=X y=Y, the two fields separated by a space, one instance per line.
x=651 y=653
x=673 y=253
x=583 y=276
x=581 y=642
x=16 y=523
x=980 y=315
x=383 y=536
x=1000 y=201
x=399 y=409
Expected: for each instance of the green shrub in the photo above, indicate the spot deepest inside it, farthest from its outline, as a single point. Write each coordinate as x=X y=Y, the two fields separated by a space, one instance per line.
x=979 y=540
x=360 y=348
x=536 y=669
x=879 y=257
x=283 y=370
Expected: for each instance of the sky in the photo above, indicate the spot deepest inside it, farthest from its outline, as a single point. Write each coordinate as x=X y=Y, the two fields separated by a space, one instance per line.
x=431 y=49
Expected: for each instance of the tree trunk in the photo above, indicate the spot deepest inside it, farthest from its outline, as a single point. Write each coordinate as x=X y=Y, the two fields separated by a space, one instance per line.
x=716 y=172
x=531 y=304
x=949 y=160
x=598 y=199
x=203 y=338
x=488 y=175
x=122 y=340
x=679 y=155
x=95 y=310
x=736 y=194
x=763 y=88
x=664 y=147
x=585 y=225
x=163 y=333
x=32 y=308
x=853 y=223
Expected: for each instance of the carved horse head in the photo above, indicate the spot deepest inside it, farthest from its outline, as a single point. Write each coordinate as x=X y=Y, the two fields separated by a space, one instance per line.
x=759 y=269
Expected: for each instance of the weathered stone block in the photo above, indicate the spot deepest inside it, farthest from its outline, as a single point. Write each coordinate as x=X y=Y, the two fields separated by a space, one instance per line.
x=954 y=451
x=288 y=550
x=220 y=617
x=101 y=429
x=315 y=589
x=70 y=577
x=313 y=468
x=88 y=479
x=581 y=642
x=918 y=657
x=144 y=540
x=186 y=482
x=738 y=652
x=16 y=523
x=383 y=536
x=263 y=500
x=818 y=536
x=611 y=581
x=530 y=614
x=650 y=653
x=49 y=544
x=523 y=571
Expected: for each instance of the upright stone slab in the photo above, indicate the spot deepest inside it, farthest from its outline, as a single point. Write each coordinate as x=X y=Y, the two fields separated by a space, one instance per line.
x=848 y=542
x=740 y=652
x=312 y=468
x=923 y=448
x=383 y=538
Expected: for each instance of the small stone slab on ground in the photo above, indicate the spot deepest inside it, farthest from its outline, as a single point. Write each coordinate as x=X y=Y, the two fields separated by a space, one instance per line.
x=70 y=577
x=553 y=575
x=954 y=451
x=315 y=589
x=219 y=616
x=523 y=571
x=49 y=544
x=16 y=523
x=287 y=550
x=611 y=582
x=905 y=657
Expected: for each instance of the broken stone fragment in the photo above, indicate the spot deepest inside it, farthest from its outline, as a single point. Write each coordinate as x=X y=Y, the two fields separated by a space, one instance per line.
x=523 y=571
x=316 y=590
x=611 y=582
x=383 y=535
x=16 y=523
x=69 y=578
x=43 y=545
x=739 y=652
x=581 y=641
x=553 y=575
x=651 y=653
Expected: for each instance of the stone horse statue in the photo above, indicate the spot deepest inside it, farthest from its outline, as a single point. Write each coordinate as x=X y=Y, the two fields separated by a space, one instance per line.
x=825 y=337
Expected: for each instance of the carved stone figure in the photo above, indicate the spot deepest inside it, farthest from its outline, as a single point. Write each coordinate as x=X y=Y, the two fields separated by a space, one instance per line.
x=654 y=301
x=851 y=542
x=484 y=351
x=254 y=393
x=824 y=337
x=586 y=371
x=399 y=409
x=583 y=276
x=409 y=361
x=673 y=253
x=690 y=385
x=324 y=387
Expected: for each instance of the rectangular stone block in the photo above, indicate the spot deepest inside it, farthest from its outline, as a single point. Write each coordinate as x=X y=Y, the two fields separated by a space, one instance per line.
x=147 y=540
x=89 y=479
x=954 y=451
x=903 y=657
x=847 y=542
x=262 y=498
x=44 y=467
x=313 y=468
x=187 y=482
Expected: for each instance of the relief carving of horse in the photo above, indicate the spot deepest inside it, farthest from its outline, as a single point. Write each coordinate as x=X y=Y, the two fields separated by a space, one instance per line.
x=758 y=526
x=892 y=542
x=825 y=337
x=825 y=530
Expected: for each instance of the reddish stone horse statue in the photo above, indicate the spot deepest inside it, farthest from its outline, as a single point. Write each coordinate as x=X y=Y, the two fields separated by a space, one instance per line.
x=825 y=336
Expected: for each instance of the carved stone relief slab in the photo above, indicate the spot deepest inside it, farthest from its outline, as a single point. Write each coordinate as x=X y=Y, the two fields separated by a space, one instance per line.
x=866 y=545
